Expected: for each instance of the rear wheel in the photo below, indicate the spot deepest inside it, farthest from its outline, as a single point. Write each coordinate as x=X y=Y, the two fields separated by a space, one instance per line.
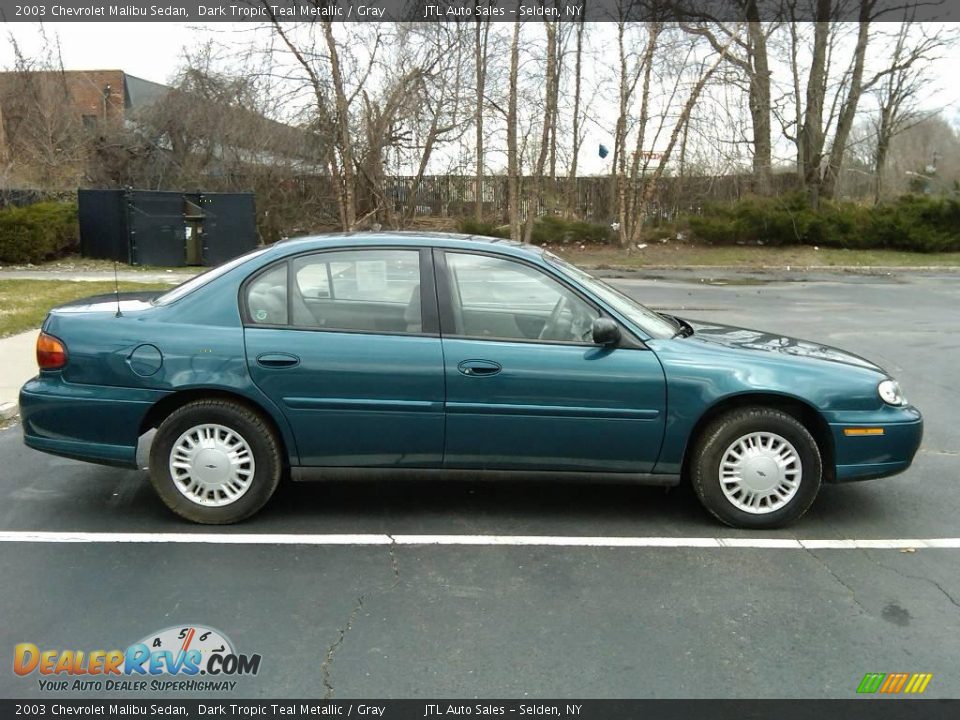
x=215 y=462
x=756 y=468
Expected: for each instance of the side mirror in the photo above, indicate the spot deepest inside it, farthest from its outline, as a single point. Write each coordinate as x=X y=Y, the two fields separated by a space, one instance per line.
x=605 y=331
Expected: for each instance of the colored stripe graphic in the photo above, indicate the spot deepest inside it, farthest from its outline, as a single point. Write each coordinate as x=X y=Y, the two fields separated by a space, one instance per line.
x=918 y=683
x=894 y=683
x=871 y=682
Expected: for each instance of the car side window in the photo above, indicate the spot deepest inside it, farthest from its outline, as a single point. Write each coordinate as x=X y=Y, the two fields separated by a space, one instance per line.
x=497 y=298
x=374 y=290
x=267 y=297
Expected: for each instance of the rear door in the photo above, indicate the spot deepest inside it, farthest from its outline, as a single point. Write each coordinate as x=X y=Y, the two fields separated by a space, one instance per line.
x=347 y=343
x=526 y=387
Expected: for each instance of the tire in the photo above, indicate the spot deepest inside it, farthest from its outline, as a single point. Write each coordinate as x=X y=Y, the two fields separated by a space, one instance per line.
x=228 y=462
x=770 y=463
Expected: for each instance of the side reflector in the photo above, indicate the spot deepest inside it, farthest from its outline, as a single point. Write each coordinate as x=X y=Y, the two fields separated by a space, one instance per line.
x=862 y=431
x=51 y=353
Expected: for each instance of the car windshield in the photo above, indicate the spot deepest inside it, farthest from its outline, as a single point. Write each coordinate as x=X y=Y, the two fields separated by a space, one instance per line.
x=203 y=278
x=652 y=322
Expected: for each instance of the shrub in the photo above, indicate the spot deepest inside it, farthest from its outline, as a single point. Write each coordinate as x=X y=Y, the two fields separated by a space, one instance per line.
x=915 y=223
x=470 y=226
x=550 y=229
x=37 y=232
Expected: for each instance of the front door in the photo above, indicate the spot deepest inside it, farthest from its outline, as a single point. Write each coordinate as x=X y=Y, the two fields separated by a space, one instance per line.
x=526 y=387
x=346 y=343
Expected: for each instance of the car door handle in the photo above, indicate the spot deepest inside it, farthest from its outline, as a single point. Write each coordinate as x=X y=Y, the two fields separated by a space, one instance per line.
x=277 y=360
x=479 y=368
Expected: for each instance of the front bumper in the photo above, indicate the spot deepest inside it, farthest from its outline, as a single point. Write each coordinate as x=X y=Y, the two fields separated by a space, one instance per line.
x=95 y=423
x=863 y=457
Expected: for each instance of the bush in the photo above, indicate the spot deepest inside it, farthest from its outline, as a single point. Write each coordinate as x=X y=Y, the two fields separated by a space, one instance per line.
x=469 y=226
x=38 y=232
x=914 y=223
x=550 y=229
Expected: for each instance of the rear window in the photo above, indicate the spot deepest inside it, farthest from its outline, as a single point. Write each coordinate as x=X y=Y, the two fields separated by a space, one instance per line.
x=205 y=277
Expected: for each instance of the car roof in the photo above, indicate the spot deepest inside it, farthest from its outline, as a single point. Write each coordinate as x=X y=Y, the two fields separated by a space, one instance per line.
x=401 y=238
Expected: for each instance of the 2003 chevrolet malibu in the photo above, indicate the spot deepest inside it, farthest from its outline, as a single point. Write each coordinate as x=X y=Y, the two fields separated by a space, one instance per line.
x=449 y=353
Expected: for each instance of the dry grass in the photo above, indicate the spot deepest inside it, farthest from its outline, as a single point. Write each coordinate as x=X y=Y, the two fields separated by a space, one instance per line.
x=674 y=254
x=75 y=263
x=24 y=303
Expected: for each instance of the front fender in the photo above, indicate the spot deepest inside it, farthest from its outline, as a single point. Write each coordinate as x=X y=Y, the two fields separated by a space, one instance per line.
x=701 y=375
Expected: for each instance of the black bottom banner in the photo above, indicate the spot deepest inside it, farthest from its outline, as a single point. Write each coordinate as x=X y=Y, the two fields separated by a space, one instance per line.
x=854 y=709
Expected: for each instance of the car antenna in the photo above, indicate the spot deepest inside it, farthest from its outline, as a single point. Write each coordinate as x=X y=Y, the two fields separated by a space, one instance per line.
x=116 y=288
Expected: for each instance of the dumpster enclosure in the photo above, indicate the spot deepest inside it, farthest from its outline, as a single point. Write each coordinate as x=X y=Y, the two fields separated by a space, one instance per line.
x=147 y=227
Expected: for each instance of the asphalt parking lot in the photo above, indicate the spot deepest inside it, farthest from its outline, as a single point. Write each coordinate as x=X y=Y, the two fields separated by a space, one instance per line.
x=396 y=620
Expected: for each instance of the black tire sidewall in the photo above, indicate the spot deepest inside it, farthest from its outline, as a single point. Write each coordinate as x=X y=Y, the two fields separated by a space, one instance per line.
x=259 y=437
x=727 y=429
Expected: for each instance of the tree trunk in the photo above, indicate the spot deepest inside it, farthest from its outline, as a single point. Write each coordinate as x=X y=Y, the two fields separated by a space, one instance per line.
x=578 y=70
x=536 y=182
x=349 y=201
x=618 y=176
x=759 y=100
x=555 y=89
x=849 y=110
x=481 y=37
x=513 y=189
x=631 y=214
x=812 y=131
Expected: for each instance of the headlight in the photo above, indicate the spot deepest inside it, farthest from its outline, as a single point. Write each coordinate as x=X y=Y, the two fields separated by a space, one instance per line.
x=890 y=393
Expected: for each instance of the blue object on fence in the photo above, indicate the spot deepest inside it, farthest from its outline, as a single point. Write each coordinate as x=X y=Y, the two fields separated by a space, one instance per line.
x=603 y=150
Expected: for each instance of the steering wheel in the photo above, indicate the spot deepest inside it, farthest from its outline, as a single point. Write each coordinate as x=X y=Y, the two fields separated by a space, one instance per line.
x=552 y=326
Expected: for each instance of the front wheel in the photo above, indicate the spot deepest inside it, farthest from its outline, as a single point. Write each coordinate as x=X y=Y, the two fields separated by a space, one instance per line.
x=215 y=462
x=756 y=468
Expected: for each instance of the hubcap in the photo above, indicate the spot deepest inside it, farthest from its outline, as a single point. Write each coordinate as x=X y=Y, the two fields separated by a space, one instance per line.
x=760 y=473
x=211 y=465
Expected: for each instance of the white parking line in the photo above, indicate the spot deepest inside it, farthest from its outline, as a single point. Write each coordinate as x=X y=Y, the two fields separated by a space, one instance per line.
x=213 y=538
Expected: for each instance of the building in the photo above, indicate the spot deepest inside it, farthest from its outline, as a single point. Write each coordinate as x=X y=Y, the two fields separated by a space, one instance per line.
x=50 y=119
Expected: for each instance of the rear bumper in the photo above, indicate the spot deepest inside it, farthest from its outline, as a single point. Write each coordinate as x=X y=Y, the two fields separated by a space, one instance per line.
x=864 y=457
x=94 y=423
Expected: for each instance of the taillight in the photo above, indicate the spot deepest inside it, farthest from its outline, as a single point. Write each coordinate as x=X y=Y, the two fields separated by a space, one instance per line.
x=51 y=353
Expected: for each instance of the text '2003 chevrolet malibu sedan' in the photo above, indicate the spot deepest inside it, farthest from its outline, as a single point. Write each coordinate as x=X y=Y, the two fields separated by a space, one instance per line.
x=448 y=353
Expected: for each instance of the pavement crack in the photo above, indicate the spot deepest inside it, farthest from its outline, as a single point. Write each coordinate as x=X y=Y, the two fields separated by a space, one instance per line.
x=394 y=563
x=334 y=646
x=840 y=580
x=342 y=633
x=908 y=576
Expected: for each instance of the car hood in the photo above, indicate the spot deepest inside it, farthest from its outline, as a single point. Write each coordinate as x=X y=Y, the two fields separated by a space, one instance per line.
x=761 y=341
x=128 y=302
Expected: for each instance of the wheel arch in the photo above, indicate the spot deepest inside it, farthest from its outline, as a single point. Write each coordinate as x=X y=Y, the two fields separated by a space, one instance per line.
x=803 y=412
x=162 y=409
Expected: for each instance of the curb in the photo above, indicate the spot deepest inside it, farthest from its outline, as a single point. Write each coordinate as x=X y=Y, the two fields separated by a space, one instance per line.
x=864 y=269
x=8 y=411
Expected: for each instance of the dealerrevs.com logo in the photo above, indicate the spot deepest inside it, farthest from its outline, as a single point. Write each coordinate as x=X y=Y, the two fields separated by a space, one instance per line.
x=181 y=658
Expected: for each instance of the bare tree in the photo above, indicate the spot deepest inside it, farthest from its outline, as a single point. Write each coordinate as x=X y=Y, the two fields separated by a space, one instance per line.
x=747 y=52
x=549 y=120
x=898 y=94
x=513 y=169
x=46 y=142
x=480 y=59
x=576 y=138
x=436 y=115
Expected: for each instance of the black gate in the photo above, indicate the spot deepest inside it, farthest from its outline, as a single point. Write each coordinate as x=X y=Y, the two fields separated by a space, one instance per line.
x=156 y=229
x=229 y=226
x=167 y=229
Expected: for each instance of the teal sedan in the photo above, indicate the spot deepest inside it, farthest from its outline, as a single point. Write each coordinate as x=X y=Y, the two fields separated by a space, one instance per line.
x=434 y=353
